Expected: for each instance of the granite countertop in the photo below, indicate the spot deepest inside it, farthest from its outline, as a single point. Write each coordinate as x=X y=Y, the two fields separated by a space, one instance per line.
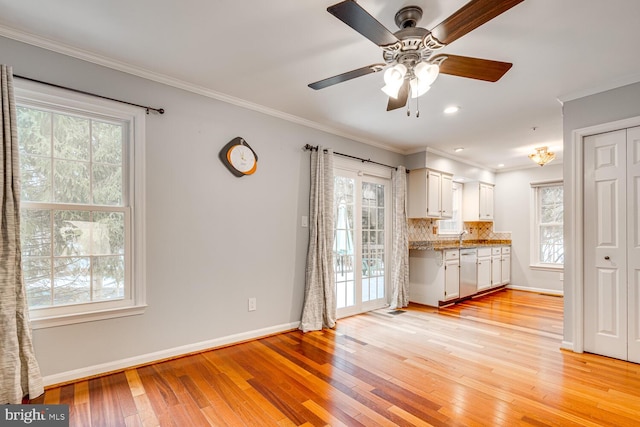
x=440 y=245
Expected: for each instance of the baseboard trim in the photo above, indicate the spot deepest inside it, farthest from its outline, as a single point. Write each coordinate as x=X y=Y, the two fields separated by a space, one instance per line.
x=158 y=356
x=538 y=290
x=567 y=345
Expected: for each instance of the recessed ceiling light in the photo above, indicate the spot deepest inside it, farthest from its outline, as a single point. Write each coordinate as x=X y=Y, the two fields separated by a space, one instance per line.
x=451 y=110
x=459 y=149
x=501 y=165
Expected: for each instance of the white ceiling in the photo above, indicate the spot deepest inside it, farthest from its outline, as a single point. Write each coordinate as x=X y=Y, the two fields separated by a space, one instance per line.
x=263 y=54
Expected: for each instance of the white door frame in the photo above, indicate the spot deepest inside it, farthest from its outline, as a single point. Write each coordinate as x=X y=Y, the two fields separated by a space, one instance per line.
x=575 y=225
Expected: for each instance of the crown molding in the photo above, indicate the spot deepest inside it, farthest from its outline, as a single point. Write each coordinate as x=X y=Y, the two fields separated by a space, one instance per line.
x=609 y=85
x=104 y=61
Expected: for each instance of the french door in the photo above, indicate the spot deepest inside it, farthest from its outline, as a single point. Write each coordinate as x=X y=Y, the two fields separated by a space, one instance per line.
x=361 y=248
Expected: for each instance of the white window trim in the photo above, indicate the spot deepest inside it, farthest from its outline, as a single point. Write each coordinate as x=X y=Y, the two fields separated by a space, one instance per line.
x=35 y=94
x=535 y=263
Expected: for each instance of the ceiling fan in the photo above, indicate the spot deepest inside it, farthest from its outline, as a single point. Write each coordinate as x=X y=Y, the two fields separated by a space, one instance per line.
x=411 y=63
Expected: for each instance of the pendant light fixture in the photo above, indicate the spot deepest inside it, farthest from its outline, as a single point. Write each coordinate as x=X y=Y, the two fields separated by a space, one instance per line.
x=542 y=156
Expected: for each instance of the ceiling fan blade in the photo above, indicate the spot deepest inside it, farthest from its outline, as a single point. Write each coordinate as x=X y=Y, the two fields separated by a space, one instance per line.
x=401 y=100
x=469 y=17
x=321 y=84
x=360 y=20
x=473 y=68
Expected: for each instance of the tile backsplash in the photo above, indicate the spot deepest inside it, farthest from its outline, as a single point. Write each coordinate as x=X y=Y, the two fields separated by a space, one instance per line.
x=426 y=229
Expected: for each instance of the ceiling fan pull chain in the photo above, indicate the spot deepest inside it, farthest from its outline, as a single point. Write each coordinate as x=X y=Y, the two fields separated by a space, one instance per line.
x=409 y=107
x=417 y=105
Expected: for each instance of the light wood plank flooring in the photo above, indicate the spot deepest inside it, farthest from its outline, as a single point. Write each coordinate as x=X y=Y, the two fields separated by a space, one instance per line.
x=492 y=361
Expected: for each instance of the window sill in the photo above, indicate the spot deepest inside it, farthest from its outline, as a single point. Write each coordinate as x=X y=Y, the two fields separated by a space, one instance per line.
x=70 y=319
x=546 y=267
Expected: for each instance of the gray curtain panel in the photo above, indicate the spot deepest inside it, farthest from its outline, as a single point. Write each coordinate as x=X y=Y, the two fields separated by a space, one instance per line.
x=19 y=371
x=399 y=295
x=319 y=309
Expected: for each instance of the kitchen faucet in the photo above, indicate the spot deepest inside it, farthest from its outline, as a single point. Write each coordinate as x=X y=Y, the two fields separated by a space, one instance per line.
x=462 y=233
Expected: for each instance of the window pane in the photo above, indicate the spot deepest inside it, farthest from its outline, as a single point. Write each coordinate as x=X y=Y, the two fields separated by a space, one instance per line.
x=106 y=143
x=365 y=219
x=108 y=277
x=551 y=214
x=108 y=233
x=107 y=185
x=71 y=182
x=35 y=178
x=35 y=230
x=37 y=281
x=34 y=131
x=72 y=233
x=71 y=280
x=70 y=137
x=551 y=244
x=551 y=194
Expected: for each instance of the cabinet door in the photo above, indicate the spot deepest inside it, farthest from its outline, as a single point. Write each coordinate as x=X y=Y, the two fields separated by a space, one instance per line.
x=446 y=196
x=506 y=269
x=486 y=201
x=496 y=271
x=433 y=194
x=451 y=279
x=484 y=273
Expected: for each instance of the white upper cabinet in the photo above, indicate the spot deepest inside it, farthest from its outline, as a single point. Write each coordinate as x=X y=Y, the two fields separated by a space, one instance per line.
x=477 y=201
x=430 y=194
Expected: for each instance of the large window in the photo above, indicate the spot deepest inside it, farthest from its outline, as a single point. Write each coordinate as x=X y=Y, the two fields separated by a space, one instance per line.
x=81 y=205
x=547 y=225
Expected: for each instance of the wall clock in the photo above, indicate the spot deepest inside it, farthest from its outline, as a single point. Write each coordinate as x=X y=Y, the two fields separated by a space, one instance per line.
x=239 y=157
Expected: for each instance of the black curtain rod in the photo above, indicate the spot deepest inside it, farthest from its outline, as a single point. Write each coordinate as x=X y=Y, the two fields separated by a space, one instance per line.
x=157 y=110
x=315 y=148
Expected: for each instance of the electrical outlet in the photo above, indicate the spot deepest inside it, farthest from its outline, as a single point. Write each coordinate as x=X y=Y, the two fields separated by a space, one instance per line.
x=252 y=304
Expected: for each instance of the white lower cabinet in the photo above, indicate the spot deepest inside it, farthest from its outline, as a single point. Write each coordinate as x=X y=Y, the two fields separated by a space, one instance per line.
x=496 y=266
x=506 y=265
x=434 y=276
x=484 y=269
x=451 y=279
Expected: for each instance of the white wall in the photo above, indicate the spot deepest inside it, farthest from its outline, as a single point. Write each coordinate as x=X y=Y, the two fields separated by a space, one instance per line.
x=605 y=107
x=213 y=240
x=513 y=210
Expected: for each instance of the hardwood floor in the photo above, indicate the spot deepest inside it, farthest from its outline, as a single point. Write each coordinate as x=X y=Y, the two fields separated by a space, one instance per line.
x=493 y=361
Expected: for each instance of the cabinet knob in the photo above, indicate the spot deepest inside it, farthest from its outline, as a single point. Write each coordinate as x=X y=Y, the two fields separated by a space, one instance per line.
x=607 y=258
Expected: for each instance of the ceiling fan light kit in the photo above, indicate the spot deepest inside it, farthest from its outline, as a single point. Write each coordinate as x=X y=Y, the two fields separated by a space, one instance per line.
x=394 y=78
x=410 y=64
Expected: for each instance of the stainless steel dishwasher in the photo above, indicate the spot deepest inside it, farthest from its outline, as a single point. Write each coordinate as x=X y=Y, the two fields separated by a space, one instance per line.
x=468 y=272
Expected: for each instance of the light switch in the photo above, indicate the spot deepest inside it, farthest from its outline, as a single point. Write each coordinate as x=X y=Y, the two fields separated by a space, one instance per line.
x=305 y=221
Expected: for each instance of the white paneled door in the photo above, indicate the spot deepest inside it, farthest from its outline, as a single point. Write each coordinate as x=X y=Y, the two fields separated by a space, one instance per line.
x=633 y=241
x=611 y=244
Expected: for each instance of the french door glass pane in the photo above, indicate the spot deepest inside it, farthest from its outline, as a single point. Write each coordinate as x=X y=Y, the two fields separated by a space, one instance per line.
x=344 y=242
x=373 y=247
